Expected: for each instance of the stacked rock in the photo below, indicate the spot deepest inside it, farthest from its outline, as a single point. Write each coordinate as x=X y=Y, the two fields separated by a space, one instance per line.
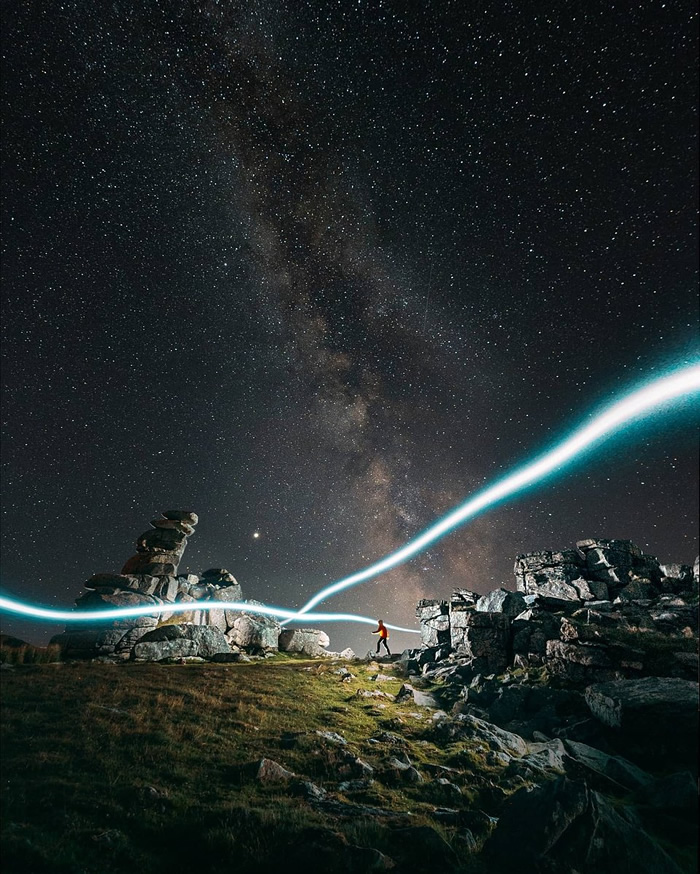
x=159 y=551
x=147 y=579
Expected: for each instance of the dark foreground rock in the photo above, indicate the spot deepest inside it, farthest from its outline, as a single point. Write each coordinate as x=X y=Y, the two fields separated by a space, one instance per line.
x=563 y=827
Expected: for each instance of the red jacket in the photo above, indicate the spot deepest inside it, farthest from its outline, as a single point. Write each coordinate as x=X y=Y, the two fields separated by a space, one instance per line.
x=382 y=631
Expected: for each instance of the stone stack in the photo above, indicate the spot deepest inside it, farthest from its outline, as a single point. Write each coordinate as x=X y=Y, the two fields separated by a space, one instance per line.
x=159 y=550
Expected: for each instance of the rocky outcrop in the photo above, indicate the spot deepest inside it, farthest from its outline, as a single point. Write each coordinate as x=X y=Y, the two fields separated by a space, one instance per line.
x=598 y=613
x=150 y=578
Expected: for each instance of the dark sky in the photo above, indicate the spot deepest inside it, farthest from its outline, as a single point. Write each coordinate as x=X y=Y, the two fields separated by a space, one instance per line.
x=321 y=270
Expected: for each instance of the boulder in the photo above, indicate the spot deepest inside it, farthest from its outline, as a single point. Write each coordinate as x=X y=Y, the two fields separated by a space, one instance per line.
x=309 y=641
x=254 y=631
x=615 y=768
x=173 y=524
x=651 y=705
x=482 y=637
x=543 y=761
x=579 y=662
x=165 y=564
x=171 y=641
x=501 y=601
x=181 y=516
x=467 y=727
x=434 y=622
x=269 y=771
x=422 y=699
x=159 y=540
x=547 y=568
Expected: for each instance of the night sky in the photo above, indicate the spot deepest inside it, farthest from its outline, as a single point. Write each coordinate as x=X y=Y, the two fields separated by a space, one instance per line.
x=321 y=270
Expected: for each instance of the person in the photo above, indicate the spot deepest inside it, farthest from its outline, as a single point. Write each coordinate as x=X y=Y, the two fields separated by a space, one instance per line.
x=383 y=633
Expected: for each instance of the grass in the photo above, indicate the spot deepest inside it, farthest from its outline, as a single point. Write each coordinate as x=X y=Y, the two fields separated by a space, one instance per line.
x=147 y=767
x=108 y=768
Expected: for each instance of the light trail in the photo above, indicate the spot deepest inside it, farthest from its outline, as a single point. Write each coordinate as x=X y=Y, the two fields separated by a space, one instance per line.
x=681 y=382
x=10 y=605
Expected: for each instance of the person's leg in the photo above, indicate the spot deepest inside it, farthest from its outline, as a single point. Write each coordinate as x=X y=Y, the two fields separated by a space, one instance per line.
x=379 y=643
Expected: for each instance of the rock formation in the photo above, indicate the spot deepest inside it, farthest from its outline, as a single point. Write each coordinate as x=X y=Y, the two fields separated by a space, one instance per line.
x=568 y=607
x=150 y=577
x=159 y=550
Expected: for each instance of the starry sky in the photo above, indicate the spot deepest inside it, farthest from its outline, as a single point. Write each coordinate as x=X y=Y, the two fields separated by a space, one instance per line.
x=320 y=270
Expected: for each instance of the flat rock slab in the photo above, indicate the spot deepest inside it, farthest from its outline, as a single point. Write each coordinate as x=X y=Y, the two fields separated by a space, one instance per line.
x=658 y=704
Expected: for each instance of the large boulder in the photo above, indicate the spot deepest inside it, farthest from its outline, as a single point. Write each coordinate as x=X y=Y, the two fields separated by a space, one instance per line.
x=579 y=662
x=615 y=768
x=309 y=641
x=254 y=631
x=553 y=570
x=465 y=727
x=170 y=641
x=501 y=601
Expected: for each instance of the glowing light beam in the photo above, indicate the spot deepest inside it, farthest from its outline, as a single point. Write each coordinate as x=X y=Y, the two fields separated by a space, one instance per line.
x=10 y=605
x=681 y=382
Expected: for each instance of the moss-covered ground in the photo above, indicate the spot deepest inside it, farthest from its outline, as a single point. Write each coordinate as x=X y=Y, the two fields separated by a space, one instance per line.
x=144 y=767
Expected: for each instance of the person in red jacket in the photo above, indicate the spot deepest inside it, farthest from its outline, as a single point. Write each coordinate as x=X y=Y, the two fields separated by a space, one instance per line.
x=383 y=633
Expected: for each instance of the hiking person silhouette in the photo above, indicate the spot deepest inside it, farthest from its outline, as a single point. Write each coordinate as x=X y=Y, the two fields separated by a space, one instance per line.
x=383 y=633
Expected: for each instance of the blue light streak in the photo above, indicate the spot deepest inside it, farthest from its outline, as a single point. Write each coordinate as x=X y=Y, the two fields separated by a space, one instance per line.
x=681 y=382
x=48 y=614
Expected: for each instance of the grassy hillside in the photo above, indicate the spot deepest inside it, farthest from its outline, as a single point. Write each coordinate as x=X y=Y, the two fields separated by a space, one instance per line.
x=149 y=767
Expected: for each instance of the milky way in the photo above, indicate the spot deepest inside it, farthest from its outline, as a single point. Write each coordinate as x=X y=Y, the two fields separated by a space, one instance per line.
x=318 y=271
